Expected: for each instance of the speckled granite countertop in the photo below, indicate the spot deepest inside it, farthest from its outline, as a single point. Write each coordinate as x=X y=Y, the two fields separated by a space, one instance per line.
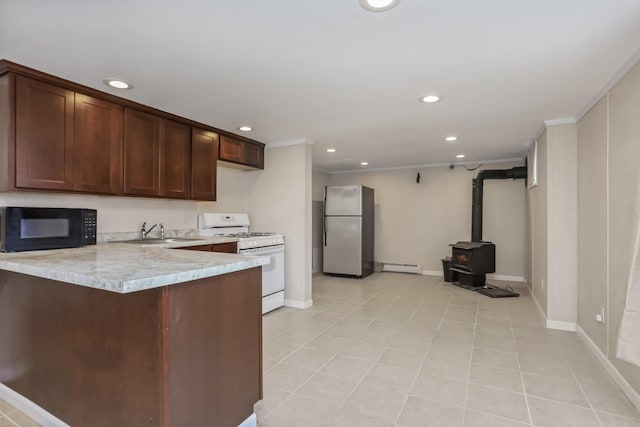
x=127 y=267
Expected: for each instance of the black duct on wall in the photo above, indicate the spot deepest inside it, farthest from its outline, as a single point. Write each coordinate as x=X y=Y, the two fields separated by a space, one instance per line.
x=519 y=172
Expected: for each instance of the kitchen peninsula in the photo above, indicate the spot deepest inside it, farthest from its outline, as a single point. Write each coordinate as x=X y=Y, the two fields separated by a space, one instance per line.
x=119 y=334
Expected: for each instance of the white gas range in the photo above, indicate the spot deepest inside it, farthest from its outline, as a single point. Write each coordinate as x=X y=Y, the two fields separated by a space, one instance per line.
x=252 y=243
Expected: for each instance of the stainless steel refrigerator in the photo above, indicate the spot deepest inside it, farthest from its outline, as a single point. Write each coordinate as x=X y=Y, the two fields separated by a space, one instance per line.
x=348 y=231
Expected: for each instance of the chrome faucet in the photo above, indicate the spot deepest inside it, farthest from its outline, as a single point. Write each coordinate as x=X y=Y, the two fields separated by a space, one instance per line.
x=145 y=232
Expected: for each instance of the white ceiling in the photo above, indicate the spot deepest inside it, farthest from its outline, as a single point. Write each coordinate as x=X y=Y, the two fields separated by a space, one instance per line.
x=330 y=72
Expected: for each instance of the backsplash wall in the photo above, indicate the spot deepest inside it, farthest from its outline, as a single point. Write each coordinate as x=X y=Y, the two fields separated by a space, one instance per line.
x=126 y=214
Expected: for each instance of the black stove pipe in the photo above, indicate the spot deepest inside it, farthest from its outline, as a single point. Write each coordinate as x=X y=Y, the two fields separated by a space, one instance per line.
x=519 y=172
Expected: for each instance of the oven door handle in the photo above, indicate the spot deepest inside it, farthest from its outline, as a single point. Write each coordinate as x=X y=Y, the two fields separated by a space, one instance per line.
x=275 y=250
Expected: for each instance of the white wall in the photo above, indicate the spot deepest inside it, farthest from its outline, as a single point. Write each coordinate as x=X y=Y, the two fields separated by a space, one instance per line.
x=553 y=209
x=232 y=192
x=279 y=199
x=126 y=214
x=623 y=167
x=537 y=197
x=115 y=214
x=609 y=155
x=416 y=222
x=319 y=181
x=592 y=221
x=562 y=225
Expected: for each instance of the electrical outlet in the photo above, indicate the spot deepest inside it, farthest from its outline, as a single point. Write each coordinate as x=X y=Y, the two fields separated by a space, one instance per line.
x=600 y=317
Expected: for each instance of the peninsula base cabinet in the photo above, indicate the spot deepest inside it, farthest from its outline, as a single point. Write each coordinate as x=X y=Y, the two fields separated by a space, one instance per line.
x=188 y=354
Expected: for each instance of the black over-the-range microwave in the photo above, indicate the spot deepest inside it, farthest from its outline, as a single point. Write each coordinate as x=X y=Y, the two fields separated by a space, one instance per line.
x=30 y=229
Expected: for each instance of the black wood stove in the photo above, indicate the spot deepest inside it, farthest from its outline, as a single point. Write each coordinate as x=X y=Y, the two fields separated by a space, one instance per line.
x=473 y=260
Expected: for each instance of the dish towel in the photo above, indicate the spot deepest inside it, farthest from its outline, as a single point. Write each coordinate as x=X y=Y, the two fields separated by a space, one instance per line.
x=629 y=335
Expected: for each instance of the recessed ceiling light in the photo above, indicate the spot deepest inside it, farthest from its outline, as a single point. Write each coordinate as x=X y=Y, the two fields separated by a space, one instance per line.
x=451 y=138
x=429 y=99
x=364 y=164
x=331 y=150
x=460 y=156
x=117 y=83
x=378 y=5
x=245 y=128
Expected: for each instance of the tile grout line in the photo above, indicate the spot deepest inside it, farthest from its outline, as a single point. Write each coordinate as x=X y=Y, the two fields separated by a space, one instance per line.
x=524 y=388
x=314 y=374
x=368 y=370
x=426 y=355
x=404 y=403
x=399 y=303
x=575 y=377
x=325 y=364
x=466 y=398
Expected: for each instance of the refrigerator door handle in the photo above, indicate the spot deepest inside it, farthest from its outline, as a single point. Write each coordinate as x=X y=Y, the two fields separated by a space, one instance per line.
x=324 y=216
x=325 y=230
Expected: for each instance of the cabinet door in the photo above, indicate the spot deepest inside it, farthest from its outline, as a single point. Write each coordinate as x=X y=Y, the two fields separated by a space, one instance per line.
x=204 y=157
x=254 y=155
x=202 y=248
x=44 y=135
x=141 y=153
x=97 y=146
x=229 y=247
x=175 y=160
x=231 y=149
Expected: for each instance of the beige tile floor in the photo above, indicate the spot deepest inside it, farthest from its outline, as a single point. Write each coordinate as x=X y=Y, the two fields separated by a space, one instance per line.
x=11 y=417
x=404 y=350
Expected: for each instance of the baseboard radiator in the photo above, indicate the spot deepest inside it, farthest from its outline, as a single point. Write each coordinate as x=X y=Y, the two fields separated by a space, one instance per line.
x=402 y=268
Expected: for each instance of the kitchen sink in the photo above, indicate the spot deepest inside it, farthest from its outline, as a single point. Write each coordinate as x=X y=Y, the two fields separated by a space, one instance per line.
x=161 y=241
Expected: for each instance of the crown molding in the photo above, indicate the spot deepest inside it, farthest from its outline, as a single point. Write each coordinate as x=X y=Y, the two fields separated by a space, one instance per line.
x=289 y=143
x=617 y=76
x=560 y=121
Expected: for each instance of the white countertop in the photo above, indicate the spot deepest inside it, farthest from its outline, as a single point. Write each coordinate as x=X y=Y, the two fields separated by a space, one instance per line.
x=127 y=267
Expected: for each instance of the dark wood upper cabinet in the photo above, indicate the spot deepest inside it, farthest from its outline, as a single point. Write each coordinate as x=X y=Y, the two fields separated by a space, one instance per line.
x=175 y=160
x=141 y=153
x=59 y=135
x=44 y=136
x=242 y=154
x=231 y=150
x=97 y=146
x=204 y=157
x=254 y=155
x=157 y=156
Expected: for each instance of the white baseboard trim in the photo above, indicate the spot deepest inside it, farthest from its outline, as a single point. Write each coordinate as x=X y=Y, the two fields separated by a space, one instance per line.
x=35 y=412
x=506 y=277
x=298 y=304
x=542 y=313
x=401 y=268
x=432 y=273
x=561 y=326
x=489 y=276
x=633 y=395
